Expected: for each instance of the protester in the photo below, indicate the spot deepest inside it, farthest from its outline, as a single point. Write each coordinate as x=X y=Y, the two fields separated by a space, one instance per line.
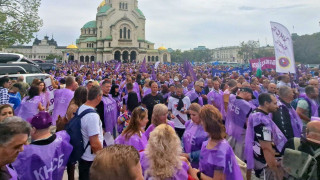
x=150 y=100
x=130 y=100
x=284 y=81
x=286 y=118
x=238 y=112
x=14 y=95
x=92 y=133
x=25 y=86
x=30 y=105
x=6 y=110
x=309 y=145
x=117 y=162
x=215 y=98
x=272 y=88
x=62 y=98
x=264 y=86
x=178 y=105
x=159 y=116
x=216 y=157
x=165 y=162
x=261 y=134
x=195 y=95
x=134 y=134
x=193 y=136
x=30 y=162
x=307 y=104
x=108 y=109
x=4 y=85
x=79 y=98
x=45 y=96
x=14 y=134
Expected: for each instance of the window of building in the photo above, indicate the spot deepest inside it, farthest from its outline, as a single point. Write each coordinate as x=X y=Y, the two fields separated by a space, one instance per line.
x=120 y=5
x=109 y=44
x=100 y=33
x=120 y=33
x=128 y=33
x=88 y=31
x=125 y=33
x=139 y=45
x=126 y=5
x=148 y=46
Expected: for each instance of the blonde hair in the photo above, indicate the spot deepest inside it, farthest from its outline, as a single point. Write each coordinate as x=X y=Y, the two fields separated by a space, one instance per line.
x=158 y=110
x=195 y=107
x=163 y=152
x=211 y=119
x=114 y=162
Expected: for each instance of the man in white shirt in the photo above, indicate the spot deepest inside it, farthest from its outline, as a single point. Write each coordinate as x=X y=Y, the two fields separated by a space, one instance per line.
x=178 y=105
x=91 y=129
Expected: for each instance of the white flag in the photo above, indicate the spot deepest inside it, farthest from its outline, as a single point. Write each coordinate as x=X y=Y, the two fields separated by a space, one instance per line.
x=283 y=48
x=156 y=65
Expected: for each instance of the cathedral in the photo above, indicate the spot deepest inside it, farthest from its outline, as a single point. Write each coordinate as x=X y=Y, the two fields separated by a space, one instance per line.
x=118 y=33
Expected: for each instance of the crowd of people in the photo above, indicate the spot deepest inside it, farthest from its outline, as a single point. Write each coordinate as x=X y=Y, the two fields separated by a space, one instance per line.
x=107 y=121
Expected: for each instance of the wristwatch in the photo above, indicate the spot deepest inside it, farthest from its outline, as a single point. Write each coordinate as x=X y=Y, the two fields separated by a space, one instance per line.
x=199 y=175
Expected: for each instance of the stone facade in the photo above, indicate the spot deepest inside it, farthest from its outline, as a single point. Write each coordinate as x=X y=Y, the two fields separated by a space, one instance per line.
x=228 y=54
x=118 y=33
x=40 y=49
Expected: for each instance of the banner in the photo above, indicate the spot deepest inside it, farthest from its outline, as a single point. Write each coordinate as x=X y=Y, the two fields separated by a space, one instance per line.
x=266 y=63
x=283 y=48
x=50 y=89
x=217 y=72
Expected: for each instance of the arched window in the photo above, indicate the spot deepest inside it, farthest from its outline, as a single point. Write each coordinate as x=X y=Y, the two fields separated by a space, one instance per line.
x=129 y=33
x=120 y=33
x=125 y=33
x=89 y=31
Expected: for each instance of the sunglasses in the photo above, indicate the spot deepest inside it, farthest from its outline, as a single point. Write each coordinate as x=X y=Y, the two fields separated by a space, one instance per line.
x=201 y=87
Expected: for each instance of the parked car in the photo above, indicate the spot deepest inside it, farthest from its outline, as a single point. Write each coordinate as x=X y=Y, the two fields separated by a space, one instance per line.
x=28 y=78
x=38 y=61
x=26 y=68
x=47 y=66
x=13 y=57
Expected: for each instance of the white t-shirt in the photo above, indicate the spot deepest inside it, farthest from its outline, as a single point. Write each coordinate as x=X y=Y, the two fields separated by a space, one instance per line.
x=90 y=125
x=172 y=106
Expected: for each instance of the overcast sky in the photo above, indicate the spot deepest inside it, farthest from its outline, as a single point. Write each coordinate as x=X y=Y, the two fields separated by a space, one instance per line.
x=185 y=24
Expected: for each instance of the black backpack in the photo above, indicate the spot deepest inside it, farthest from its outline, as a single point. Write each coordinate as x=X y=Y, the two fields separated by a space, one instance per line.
x=73 y=128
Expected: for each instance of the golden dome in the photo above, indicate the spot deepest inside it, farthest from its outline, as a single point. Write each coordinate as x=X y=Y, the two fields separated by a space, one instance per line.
x=72 y=46
x=162 y=48
x=102 y=3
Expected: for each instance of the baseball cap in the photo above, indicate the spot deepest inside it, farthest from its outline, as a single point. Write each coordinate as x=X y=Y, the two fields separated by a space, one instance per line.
x=42 y=120
x=246 y=89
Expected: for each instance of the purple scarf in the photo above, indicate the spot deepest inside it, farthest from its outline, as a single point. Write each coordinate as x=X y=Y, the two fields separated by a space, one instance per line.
x=62 y=98
x=254 y=120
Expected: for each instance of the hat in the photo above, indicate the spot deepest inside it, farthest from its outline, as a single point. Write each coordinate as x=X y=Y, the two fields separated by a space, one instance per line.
x=42 y=120
x=176 y=78
x=246 y=89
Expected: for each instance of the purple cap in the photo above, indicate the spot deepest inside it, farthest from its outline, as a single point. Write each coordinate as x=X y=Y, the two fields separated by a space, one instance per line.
x=42 y=120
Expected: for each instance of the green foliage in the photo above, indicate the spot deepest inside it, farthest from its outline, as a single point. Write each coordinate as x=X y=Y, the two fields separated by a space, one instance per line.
x=52 y=57
x=248 y=50
x=307 y=48
x=18 y=21
x=191 y=55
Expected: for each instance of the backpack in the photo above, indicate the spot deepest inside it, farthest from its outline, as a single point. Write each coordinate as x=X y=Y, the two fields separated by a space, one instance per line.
x=73 y=128
x=300 y=165
x=294 y=104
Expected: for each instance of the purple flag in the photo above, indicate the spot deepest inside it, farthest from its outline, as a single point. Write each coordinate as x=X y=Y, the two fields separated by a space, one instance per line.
x=110 y=113
x=117 y=67
x=143 y=67
x=153 y=75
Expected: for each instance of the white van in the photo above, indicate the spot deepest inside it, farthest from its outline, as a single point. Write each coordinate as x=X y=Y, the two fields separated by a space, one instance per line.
x=13 y=57
x=28 y=78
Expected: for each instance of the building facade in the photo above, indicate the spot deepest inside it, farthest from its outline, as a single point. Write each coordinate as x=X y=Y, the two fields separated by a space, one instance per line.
x=40 y=49
x=227 y=54
x=118 y=33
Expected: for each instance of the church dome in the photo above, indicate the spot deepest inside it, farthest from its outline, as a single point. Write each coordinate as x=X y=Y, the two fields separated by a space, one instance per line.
x=90 y=24
x=72 y=46
x=102 y=3
x=162 y=48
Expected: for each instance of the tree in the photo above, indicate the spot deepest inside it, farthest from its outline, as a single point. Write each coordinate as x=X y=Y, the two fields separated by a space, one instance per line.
x=52 y=57
x=248 y=49
x=18 y=21
x=307 y=48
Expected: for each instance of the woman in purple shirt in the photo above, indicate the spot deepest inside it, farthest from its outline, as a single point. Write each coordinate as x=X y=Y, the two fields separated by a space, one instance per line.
x=134 y=134
x=217 y=160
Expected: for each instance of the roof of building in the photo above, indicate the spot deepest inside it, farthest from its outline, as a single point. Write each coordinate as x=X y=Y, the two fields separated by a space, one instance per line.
x=90 y=39
x=102 y=3
x=90 y=24
x=72 y=46
x=104 y=9
x=162 y=48
x=140 y=12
